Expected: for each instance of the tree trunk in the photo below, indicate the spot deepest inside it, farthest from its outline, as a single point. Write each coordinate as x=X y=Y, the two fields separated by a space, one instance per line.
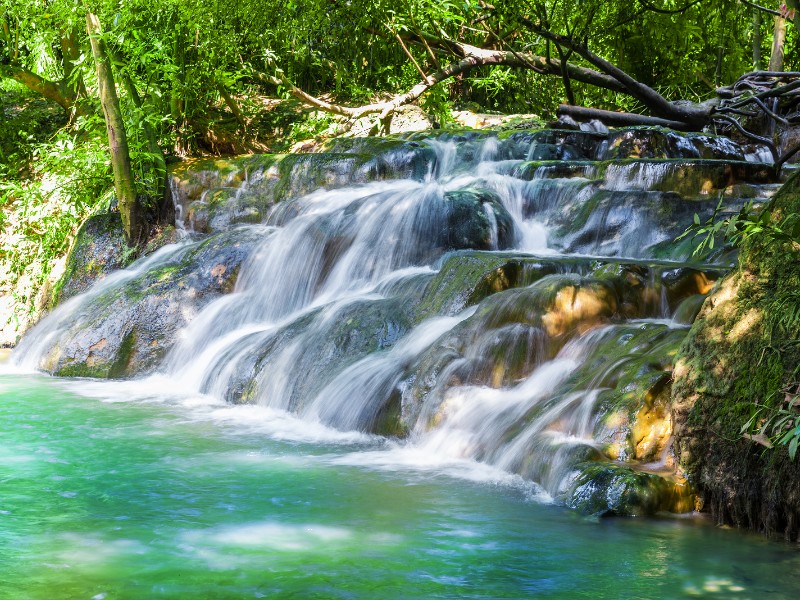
x=158 y=165
x=70 y=52
x=757 y=39
x=129 y=208
x=177 y=104
x=778 y=41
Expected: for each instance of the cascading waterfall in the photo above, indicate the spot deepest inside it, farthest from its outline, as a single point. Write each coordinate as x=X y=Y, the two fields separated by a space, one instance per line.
x=335 y=314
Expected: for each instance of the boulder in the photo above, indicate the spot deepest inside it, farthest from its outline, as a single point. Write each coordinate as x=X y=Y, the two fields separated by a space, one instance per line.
x=126 y=329
x=606 y=489
x=742 y=356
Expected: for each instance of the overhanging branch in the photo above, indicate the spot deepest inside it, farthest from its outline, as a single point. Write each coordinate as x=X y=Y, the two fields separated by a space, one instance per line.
x=473 y=57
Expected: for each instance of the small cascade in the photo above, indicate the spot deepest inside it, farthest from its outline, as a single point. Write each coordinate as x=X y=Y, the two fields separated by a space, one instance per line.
x=514 y=300
x=635 y=176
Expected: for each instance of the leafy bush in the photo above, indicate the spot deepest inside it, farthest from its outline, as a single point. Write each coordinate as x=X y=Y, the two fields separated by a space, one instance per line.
x=66 y=179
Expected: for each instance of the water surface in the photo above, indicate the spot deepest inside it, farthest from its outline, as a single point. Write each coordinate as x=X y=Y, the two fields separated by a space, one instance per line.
x=111 y=490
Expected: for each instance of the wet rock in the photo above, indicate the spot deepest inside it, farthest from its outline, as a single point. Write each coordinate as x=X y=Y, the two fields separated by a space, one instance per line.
x=562 y=144
x=605 y=489
x=654 y=142
x=126 y=331
x=631 y=366
x=687 y=281
x=690 y=179
x=321 y=345
x=539 y=169
x=392 y=157
x=477 y=220
x=510 y=333
x=213 y=195
x=465 y=278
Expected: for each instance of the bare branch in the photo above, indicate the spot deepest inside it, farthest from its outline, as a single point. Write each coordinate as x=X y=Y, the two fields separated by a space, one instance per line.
x=752 y=136
x=759 y=7
x=473 y=57
x=408 y=54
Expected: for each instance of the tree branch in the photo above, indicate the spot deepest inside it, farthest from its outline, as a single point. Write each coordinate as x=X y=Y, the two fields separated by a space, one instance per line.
x=660 y=106
x=759 y=7
x=473 y=57
x=40 y=85
x=409 y=55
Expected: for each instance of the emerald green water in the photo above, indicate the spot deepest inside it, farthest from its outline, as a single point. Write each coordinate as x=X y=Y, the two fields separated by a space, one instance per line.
x=108 y=491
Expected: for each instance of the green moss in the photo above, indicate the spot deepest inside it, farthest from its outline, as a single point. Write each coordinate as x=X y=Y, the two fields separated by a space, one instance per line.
x=83 y=370
x=608 y=489
x=121 y=365
x=734 y=362
x=389 y=420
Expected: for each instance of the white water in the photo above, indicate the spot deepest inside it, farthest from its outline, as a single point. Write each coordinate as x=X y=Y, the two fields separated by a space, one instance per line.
x=32 y=348
x=329 y=256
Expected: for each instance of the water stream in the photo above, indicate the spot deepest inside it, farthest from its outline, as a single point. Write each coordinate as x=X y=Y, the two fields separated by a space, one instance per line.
x=417 y=365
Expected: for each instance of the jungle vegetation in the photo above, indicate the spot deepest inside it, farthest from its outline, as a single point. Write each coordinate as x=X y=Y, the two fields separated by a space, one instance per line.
x=98 y=95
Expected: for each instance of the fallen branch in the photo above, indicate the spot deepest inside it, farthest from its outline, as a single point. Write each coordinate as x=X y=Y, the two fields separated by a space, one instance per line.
x=610 y=117
x=473 y=57
x=694 y=116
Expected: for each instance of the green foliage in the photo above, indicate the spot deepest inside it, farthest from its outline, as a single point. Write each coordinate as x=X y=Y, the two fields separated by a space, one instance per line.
x=436 y=102
x=179 y=53
x=313 y=125
x=780 y=426
x=59 y=183
x=751 y=220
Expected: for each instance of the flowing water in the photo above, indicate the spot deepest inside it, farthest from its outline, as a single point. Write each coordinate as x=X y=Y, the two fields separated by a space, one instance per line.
x=113 y=491
x=364 y=416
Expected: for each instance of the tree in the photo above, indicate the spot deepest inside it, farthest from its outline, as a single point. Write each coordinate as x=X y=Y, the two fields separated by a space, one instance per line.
x=441 y=43
x=66 y=87
x=129 y=205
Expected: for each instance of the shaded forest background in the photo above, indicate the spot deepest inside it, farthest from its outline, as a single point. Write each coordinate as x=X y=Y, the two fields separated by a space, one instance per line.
x=194 y=77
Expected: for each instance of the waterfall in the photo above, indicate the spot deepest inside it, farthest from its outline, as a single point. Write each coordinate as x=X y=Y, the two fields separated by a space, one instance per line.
x=462 y=305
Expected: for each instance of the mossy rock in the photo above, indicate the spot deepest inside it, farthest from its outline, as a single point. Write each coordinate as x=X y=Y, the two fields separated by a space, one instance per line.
x=477 y=220
x=740 y=355
x=555 y=169
x=217 y=194
x=127 y=328
x=99 y=248
x=606 y=489
x=464 y=278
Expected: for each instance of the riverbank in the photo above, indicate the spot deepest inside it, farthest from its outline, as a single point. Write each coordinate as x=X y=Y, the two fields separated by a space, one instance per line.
x=739 y=364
